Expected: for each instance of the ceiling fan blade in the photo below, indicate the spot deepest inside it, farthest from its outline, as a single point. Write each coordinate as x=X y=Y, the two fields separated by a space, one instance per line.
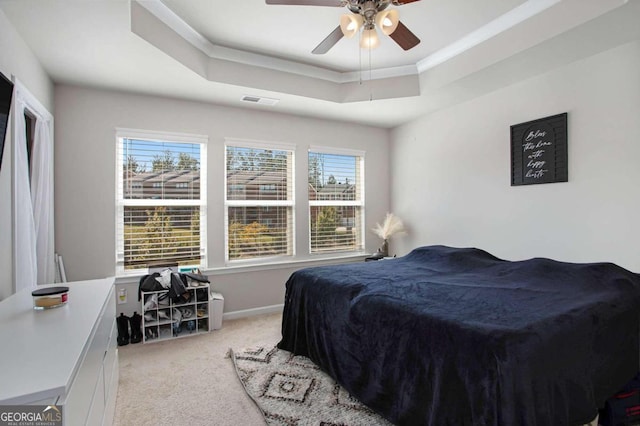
x=401 y=2
x=331 y=3
x=404 y=37
x=328 y=42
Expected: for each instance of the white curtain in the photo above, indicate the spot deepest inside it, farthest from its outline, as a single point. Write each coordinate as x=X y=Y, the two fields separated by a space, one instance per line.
x=26 y=269
x=42 y=199
x=34 y=259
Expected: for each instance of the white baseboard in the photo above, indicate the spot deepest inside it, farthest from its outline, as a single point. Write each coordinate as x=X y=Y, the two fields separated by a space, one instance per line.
x=251 y=312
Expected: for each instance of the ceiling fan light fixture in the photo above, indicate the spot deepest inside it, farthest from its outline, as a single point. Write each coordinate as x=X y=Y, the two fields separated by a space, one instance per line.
x=365 y=16
x=387 y=21
x=369 y=39
x=350 y=24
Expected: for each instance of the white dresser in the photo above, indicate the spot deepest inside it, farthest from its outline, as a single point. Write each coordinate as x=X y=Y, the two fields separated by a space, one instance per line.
x=65 y=356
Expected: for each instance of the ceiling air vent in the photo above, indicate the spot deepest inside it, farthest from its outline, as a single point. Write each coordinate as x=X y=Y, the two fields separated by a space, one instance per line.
x=259 y=100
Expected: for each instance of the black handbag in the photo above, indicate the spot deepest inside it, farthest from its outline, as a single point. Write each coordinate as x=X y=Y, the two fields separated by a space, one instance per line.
x=178 y=290
x=149 y=283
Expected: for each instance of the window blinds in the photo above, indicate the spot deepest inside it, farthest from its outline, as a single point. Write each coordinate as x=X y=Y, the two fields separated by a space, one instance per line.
x=335 y=202
x=161 y=203
x=259 y=201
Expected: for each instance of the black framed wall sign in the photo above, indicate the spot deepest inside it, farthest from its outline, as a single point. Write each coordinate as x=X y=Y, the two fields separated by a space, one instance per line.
x=539 y=151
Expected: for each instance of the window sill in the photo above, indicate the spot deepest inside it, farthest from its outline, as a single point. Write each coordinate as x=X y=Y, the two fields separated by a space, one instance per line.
x=283 y=264
x=253 y=267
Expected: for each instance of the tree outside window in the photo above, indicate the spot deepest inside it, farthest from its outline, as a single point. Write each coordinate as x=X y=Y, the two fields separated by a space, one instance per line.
x=335 y=184
x=259 y=201
x=160 y=202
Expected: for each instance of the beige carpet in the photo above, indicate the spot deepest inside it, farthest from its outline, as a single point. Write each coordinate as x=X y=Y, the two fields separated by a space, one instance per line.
x=191 y=381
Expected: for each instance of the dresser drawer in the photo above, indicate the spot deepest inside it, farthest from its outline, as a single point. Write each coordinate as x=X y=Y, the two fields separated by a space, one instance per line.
x=90 y=374
x=110 y=358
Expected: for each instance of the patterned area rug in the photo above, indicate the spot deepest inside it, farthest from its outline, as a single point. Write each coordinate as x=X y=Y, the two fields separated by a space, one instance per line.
x=292 y=390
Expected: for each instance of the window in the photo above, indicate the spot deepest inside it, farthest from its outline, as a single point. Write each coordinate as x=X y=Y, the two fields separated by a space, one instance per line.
x=235 y=192
x=258 y=200
x=268 y=188
x=161 y=200
x=336 y=205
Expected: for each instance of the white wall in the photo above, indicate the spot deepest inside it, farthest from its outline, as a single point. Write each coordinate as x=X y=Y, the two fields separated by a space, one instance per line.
x=86 y=120
x=17 y=60
x=451 y=169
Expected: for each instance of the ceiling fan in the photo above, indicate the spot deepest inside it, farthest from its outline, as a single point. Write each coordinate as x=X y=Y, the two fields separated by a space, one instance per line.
x=365 y=14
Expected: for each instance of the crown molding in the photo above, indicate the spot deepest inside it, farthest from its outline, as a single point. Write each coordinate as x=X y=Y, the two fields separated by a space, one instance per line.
x=238 y=67
x=215 y=51
x=491 y=29
x=172 y=20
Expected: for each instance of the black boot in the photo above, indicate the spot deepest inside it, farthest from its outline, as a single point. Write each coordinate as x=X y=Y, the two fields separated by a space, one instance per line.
x=136 y=329
x=123 y=330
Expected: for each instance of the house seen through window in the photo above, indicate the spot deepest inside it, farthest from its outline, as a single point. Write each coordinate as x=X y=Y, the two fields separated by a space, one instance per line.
x=258 y=201
x=161 y=201
x=336 y=204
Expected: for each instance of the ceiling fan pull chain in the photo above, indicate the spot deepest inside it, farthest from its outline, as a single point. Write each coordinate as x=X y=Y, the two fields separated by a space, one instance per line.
x=370 y=82
x=360 y=61
x=369 y=63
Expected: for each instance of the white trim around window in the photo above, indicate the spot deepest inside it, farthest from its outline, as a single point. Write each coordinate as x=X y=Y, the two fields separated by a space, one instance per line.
x=169 y=195
x=259 y=201
x=336 y=200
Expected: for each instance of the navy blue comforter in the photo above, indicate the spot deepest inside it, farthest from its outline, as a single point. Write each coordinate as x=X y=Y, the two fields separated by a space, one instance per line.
x=447 y=336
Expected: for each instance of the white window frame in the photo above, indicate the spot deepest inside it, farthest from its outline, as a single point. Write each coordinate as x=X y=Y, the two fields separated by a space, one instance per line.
x=121 y=202
x=263 y=145
x=346 y=203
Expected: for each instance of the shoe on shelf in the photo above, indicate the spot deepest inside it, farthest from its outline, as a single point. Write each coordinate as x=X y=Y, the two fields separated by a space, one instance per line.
x=152 y=302
x=150 y=334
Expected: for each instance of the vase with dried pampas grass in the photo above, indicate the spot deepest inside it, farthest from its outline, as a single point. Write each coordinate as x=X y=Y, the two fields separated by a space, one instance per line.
x=392 y=225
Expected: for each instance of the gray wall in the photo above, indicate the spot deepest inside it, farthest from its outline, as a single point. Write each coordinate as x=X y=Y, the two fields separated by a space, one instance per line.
x=451 y=169
x=17 y=60
x=86 y=120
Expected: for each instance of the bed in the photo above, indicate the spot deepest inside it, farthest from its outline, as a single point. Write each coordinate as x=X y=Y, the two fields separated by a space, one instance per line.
x=448 y=336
